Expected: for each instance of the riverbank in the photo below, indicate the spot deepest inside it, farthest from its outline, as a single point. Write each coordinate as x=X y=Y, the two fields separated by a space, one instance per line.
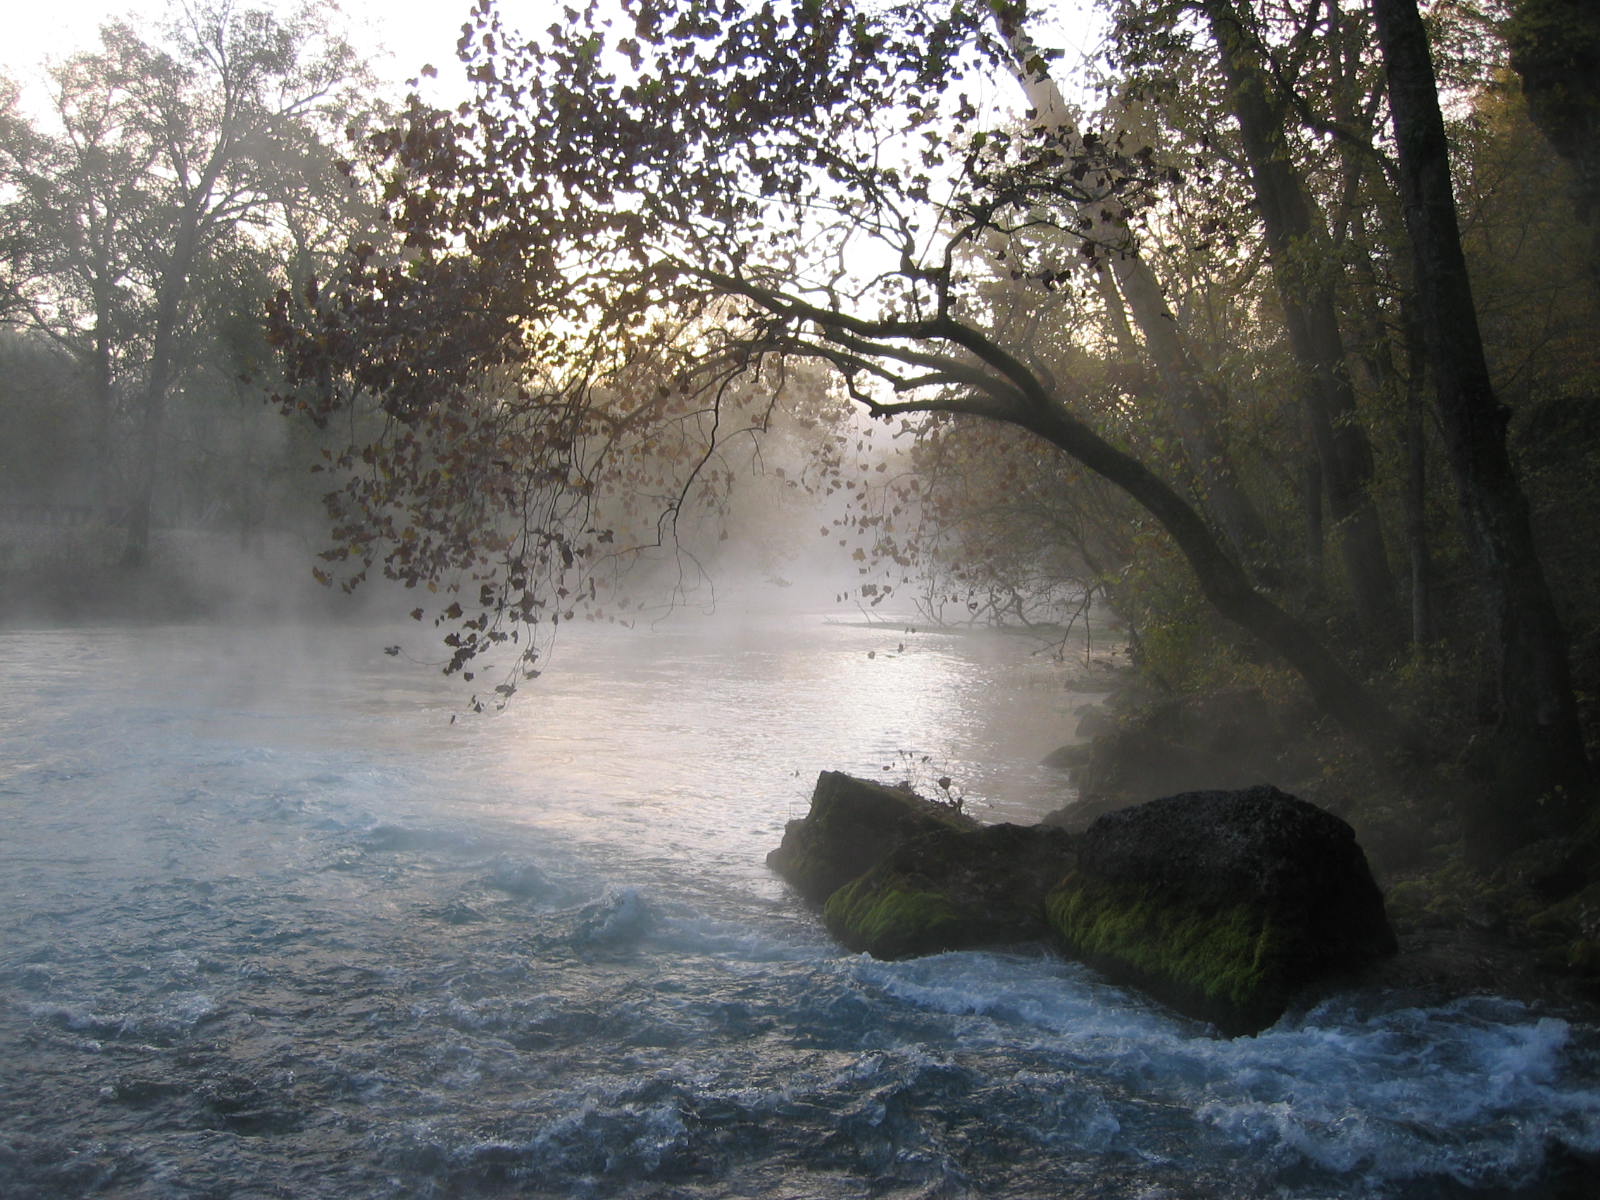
x=1526 y=927
x=74 y=575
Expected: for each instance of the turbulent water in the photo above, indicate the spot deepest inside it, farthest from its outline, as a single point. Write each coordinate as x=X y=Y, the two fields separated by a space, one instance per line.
x=273 y=926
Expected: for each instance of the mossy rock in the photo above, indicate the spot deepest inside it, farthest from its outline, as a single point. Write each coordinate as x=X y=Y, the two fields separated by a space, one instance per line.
x=1569 y=932
x=852 y=825
x=1217 y=965
x=953 y=889
x=1223 y=905
x=890 y=918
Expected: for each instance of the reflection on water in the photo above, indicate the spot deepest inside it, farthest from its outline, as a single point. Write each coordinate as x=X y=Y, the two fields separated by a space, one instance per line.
x=270 y=924
x=705 y=737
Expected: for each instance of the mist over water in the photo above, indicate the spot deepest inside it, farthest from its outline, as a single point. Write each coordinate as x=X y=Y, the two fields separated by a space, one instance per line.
x=273 y=925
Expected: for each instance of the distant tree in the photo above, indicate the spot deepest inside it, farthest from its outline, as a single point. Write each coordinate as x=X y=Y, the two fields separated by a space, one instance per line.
x=1004 y=530
x=43 y=419
x=158 y=160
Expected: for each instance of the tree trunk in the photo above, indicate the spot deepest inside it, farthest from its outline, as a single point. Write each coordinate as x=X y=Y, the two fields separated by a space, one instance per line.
x=1225 y=585
x=152 y=420
x=1538 y=747
x=1224 y=582
x=1193 y=405
x=141 y=502
x=106 y=497
x=164 y=347
x=1306 y=294
x=1416 y=491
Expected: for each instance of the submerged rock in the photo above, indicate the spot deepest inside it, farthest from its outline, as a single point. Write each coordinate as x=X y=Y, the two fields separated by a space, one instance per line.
x=1221 y=904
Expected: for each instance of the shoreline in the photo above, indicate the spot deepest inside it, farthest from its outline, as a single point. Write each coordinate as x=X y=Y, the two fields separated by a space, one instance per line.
x=1461 y=932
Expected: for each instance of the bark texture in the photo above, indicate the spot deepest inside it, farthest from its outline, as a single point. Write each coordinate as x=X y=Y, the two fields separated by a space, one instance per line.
x=1306 y=294
x=1538 y=755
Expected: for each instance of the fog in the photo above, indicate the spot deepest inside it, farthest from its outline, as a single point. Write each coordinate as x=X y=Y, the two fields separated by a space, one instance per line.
x=440 y=549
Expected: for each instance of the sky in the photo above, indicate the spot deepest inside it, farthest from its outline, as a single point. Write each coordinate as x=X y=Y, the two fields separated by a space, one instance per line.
x=413 y=32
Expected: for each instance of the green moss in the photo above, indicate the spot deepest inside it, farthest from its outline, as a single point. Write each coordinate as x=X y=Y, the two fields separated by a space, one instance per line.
x=1569 y=931
x=1226 y=956
x=888 y=921
x=1452 y=894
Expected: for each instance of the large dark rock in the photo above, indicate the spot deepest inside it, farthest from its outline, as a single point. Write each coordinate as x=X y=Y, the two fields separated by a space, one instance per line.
x=952 y=889
x=1221 y=904
x=851 y=826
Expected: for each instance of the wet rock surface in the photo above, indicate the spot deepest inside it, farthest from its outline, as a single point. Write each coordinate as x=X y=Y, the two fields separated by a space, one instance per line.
x=952 y=889
x=1222 y=904
x=853 y=823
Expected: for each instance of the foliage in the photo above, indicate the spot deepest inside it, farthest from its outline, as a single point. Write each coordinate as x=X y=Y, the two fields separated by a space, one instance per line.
x=1526 y=245
x=145 y=212
x=579 y=323
x=1187 y=329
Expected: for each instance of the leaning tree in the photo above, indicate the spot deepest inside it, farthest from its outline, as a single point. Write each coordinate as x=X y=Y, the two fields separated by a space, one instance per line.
x=624 y=247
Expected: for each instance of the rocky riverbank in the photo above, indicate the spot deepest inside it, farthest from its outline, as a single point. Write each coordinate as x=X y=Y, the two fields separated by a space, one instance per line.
x=1527 y=927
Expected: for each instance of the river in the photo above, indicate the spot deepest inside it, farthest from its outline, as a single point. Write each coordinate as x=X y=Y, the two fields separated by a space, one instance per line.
x=274 y=926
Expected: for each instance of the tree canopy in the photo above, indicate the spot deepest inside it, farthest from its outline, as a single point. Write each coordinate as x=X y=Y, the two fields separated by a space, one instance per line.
x=656 y=224
x=176 y=179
